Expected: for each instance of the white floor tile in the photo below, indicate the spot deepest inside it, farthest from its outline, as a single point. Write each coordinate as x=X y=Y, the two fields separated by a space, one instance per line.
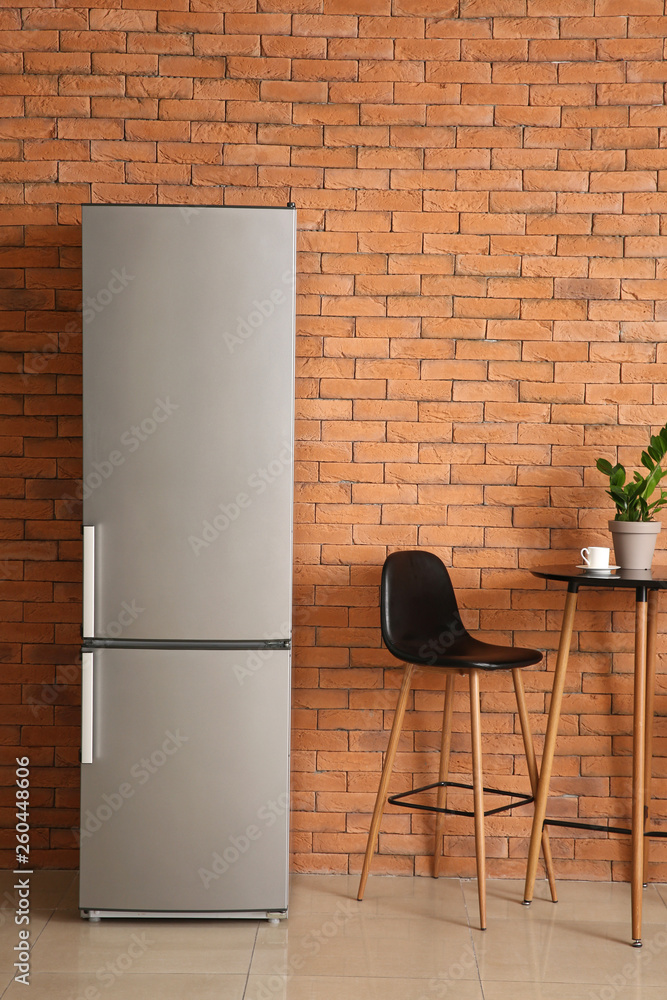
x=352 y=944
x=357 y=988
x=70 y=944
x=67 y=986
x=578 y=902
x=562 y=991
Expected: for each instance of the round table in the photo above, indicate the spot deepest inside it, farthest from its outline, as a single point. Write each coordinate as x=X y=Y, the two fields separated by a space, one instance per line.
x=646 y=584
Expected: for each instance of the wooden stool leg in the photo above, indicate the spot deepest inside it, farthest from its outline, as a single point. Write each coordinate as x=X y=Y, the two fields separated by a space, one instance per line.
x=550 y=743
x=478 y=794
x=386 y=775
x=443 y=774
x=651 y=640
x=529 y=749
x=638 y=769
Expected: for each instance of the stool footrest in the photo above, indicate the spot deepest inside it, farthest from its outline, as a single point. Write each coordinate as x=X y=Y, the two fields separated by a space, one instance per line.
x=401 y=799
x=600 y=827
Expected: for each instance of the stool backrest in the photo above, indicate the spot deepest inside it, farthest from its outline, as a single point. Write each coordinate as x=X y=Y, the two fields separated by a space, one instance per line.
x=419 y=614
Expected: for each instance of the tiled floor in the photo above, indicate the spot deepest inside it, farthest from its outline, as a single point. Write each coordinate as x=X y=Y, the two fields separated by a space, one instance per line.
x=411 y=939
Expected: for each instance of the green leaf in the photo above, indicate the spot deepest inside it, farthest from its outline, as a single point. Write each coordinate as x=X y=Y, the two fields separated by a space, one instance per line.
x=658 y=445
x=647 y=460
x=617 y=477
x=618 y=496
x=652 y=481
x=659 y=503
x=604 y=466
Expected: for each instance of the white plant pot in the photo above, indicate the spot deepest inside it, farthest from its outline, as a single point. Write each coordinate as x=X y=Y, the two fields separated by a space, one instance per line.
x=634 y=542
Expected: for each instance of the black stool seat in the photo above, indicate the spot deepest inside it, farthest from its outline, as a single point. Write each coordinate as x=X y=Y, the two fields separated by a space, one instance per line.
x=421 y=626
x=465 y=653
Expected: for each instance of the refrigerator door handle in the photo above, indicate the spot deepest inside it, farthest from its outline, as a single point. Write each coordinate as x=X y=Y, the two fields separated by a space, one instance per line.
x=88 y=581
x=87 y=708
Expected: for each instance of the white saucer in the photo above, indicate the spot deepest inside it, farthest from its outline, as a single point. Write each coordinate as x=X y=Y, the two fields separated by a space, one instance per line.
x=596 y=569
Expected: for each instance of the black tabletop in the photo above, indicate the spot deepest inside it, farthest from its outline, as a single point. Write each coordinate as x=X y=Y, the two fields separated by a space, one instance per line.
x=653 y=579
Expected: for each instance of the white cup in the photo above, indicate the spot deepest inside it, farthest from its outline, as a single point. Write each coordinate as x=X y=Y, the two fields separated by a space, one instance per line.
x=596 y=557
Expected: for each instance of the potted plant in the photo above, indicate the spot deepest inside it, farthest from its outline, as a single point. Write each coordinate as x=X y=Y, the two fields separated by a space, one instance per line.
x=633 y=529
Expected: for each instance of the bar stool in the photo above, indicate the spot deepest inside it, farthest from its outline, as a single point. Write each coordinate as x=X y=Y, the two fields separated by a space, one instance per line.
x=421 y=626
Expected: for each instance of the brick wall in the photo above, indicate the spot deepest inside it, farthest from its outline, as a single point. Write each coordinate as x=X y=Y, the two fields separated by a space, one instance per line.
x=482 y=195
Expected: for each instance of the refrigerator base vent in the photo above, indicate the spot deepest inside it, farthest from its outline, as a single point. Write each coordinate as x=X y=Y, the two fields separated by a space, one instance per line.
x=273 y=916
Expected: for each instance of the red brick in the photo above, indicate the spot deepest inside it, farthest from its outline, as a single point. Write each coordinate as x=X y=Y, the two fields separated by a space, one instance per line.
x=152 y=44
x=294 y=48
x=140 y=131
x=26 y=41
x=32 y=84
x=191 y=66
x=169 y=87
x=57 y=106
x=77 y=128
x=258 y=69
x=145 y=151
x=563 y=95
x=592 y=27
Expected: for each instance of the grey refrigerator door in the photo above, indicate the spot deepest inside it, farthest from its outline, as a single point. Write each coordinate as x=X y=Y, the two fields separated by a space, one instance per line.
x=188 y=376
x=184 y=807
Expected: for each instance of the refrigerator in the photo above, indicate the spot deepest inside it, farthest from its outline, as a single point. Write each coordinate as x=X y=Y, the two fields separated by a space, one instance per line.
x=188 y=388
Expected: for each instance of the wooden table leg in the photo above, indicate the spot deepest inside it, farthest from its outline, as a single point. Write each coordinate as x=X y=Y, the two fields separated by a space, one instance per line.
x=638 y=759
x=550 y=743
x=651 y=641
x=531 y=764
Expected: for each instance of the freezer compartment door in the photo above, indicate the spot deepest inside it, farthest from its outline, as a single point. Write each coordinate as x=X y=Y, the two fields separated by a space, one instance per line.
x=185 y=804
x=188 y=376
